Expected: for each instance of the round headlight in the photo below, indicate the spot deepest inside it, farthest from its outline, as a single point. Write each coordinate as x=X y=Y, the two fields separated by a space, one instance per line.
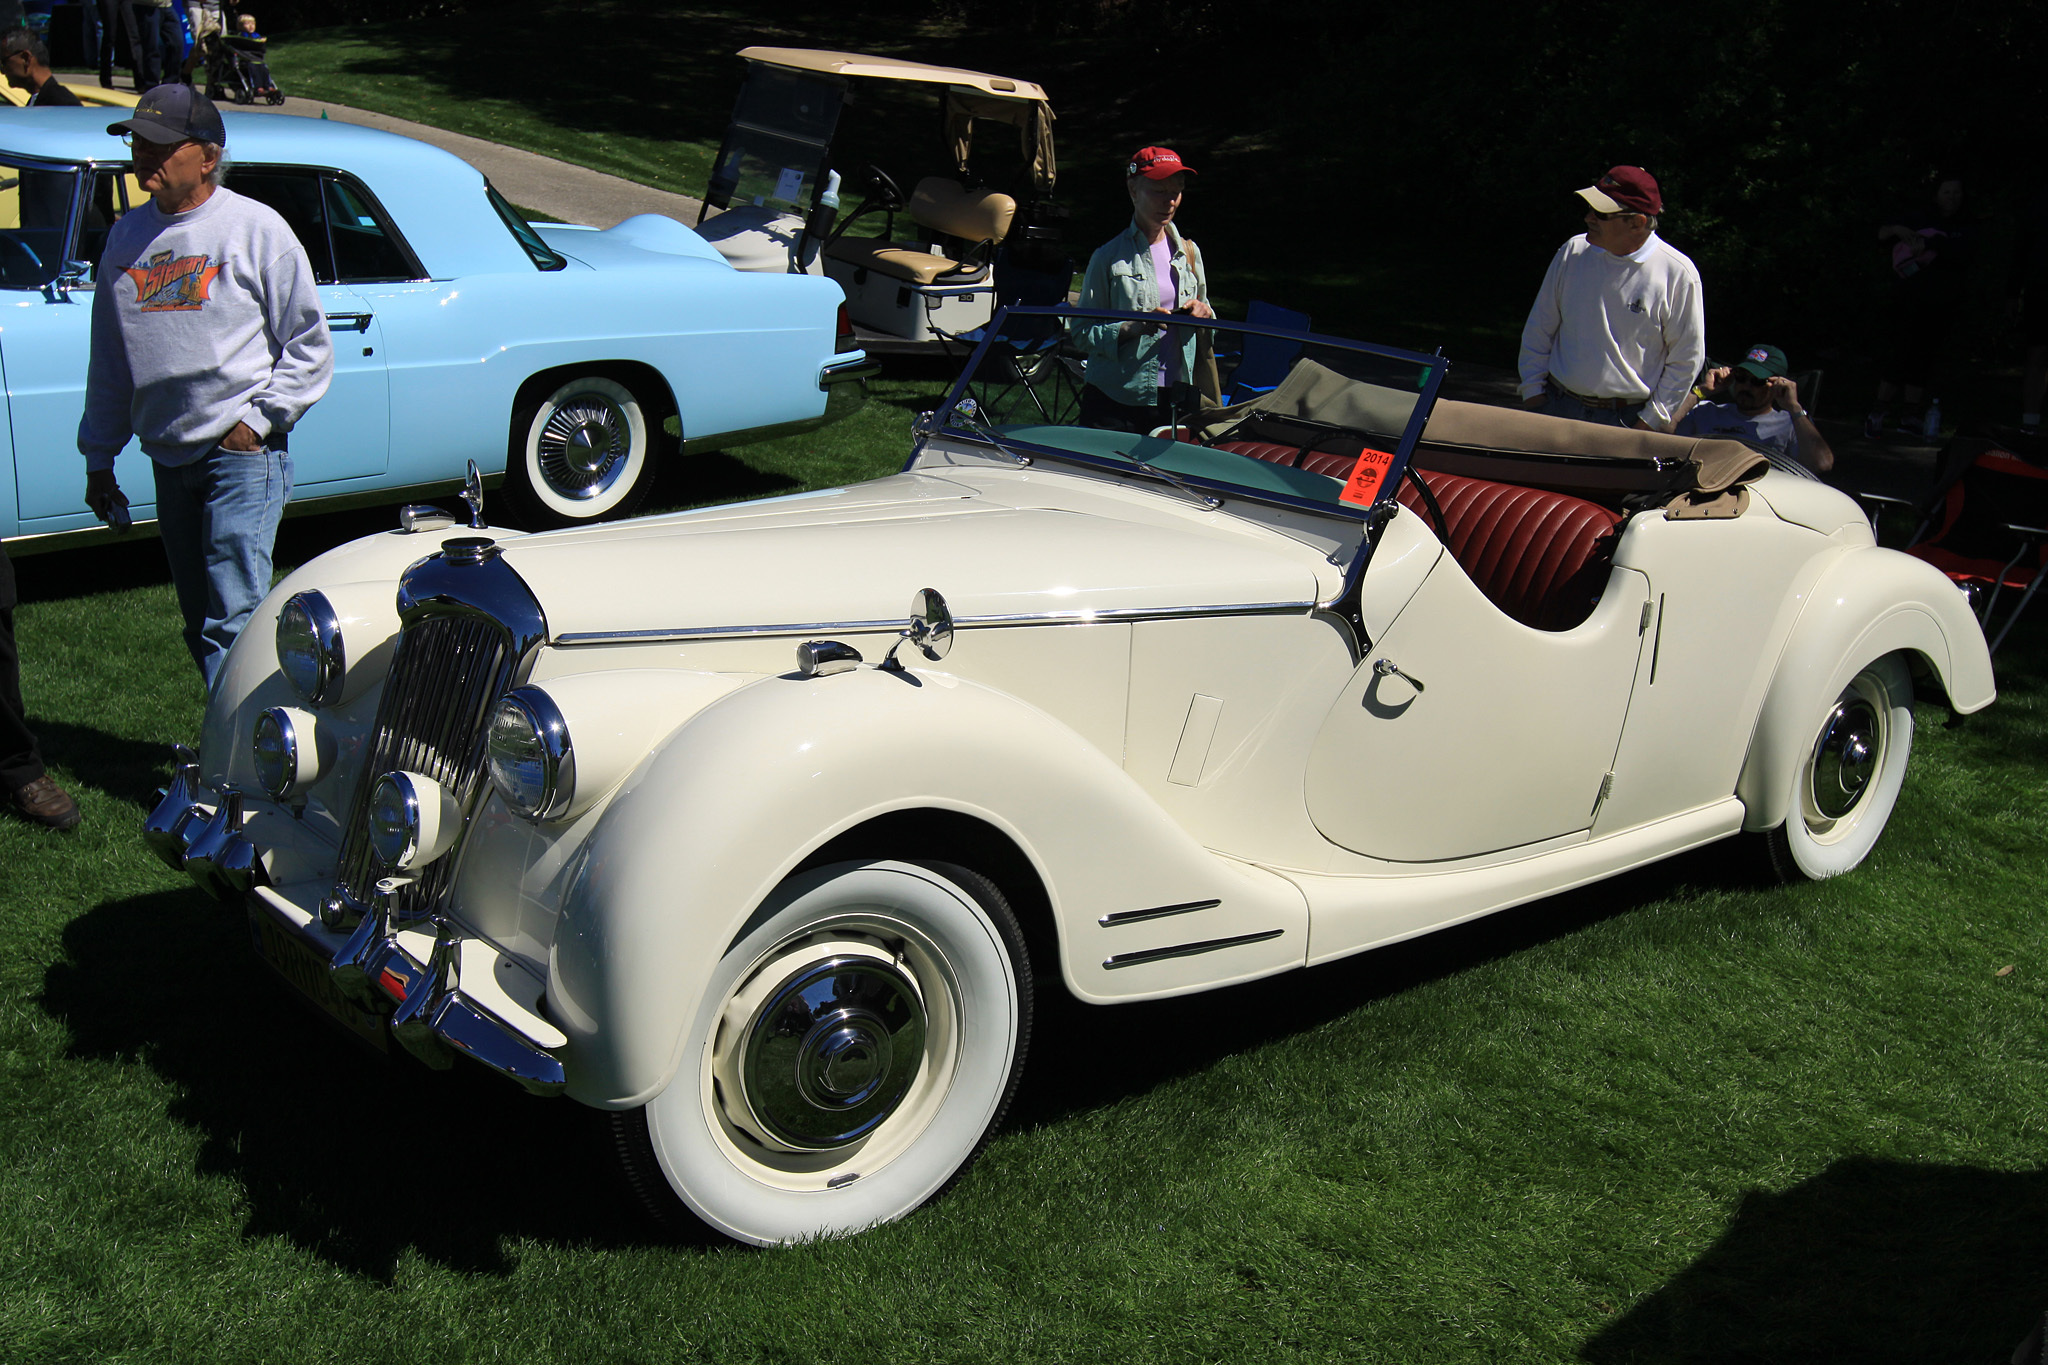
x=412 y=820
x=532 y=764
x=309 y=648
x=286 y=751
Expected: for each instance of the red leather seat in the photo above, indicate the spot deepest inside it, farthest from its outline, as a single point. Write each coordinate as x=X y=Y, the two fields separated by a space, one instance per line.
x=1541 y=557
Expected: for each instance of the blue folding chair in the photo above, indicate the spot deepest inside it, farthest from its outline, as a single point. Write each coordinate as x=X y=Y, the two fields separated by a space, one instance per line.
x=1265 y=360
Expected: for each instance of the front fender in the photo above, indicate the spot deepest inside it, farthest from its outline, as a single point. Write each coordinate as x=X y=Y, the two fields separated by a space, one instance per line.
x=1869 y=603
x=702 y=832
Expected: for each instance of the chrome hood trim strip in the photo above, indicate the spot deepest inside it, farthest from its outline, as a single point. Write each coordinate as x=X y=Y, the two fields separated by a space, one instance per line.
x=1035 y=618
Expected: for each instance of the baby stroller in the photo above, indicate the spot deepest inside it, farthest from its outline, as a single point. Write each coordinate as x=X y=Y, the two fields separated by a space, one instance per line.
x=236 y=70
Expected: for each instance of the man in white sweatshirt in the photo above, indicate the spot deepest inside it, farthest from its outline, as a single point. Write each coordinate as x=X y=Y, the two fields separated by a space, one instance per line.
x=208 y=344
x=1618 y=331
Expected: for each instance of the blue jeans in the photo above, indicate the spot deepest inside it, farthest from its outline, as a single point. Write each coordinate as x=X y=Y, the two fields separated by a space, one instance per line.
x=218 y=518
x=1566 y=406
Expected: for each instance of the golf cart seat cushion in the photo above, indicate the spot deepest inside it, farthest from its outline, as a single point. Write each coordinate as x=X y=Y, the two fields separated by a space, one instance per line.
x=901 y=261
x=973 y=216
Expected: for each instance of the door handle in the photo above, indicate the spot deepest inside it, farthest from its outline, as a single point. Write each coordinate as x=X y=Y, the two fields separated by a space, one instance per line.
x=349 y=322
x=1387 y=668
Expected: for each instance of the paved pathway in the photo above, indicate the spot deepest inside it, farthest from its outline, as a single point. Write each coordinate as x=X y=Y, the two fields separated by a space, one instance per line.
x=573 y=194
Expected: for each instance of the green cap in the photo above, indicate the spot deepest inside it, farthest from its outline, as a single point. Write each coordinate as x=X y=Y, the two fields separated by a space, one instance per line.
x=1765 y=362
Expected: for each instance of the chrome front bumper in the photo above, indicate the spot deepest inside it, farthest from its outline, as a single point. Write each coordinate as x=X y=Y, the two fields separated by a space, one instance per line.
x=440 y=993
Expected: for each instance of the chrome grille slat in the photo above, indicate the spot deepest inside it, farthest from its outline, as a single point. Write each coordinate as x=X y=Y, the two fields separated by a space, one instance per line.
x=468 y=631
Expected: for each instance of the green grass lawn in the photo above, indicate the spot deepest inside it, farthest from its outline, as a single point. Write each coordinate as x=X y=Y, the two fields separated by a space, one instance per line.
x=1683 y=1116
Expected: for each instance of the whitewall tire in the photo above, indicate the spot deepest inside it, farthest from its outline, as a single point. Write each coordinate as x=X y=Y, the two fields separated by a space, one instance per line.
x=1848 y=778
x=853 y=1051
x=582 y=453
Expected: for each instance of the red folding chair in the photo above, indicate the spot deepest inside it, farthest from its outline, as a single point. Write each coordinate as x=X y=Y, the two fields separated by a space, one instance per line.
x=1983 y=524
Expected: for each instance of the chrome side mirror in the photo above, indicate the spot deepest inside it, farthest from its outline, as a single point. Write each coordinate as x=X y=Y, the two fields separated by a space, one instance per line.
x=930 y=628
x=70 y=276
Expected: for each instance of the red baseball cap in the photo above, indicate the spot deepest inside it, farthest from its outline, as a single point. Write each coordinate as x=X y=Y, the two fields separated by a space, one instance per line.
x=1156 y=163
x=1625 y=189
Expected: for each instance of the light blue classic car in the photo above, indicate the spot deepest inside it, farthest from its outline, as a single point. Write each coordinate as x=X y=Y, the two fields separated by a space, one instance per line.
x=550 y=355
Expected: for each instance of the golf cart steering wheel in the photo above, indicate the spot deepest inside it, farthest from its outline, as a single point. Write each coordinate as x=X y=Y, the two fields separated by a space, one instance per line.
x=13 y=252
x=885 y=193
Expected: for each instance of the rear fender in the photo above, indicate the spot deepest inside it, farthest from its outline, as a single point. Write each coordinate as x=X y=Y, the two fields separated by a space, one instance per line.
x=737 y=797
x=1868 y=604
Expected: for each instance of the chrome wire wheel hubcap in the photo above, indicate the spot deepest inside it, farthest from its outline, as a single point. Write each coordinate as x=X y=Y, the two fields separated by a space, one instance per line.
x=583 y=446
x=1846 y=758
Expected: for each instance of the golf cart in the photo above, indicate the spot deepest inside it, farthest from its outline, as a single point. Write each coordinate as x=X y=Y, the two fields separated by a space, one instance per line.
x=773 y=201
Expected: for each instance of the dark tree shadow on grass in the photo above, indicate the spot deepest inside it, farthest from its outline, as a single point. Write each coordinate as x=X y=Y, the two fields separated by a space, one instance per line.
x=352 y=1156
x=1869 y=1261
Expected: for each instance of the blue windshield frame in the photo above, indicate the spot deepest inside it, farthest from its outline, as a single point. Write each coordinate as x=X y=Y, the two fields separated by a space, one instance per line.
x=1433 y=368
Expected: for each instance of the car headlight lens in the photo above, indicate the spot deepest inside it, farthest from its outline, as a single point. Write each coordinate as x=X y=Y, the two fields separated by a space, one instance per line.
x=286 y=751
x=413 y=820
x=531 y=762
x=309 y=649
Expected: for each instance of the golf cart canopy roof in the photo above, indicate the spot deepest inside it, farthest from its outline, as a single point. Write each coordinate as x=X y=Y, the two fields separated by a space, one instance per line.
x=890 y=69
x=968 y=95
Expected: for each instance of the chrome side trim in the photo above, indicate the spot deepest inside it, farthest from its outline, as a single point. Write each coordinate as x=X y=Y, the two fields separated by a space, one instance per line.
x=1035 y=618
x=1138 y=959
x=1117 y=917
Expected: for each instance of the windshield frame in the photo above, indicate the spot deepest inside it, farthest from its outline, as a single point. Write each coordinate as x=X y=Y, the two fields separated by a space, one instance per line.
x=1434 y=366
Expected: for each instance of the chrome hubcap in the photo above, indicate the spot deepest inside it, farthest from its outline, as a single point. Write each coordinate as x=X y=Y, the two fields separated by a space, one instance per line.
x=1845 y=757
x=583 y=446
x=832 y=1050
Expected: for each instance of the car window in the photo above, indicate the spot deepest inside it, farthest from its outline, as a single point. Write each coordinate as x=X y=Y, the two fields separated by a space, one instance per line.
x=296 y=197
x=35 y=216
x=543 y=256
x=365 y=249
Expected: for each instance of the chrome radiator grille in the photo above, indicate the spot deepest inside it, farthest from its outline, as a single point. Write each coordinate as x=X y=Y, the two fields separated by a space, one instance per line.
x=470 y=629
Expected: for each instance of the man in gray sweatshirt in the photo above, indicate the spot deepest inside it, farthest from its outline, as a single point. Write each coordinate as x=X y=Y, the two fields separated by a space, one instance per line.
x=208 y=343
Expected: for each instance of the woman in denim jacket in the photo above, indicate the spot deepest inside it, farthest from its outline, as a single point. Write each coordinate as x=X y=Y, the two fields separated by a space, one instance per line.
x=1140 y=374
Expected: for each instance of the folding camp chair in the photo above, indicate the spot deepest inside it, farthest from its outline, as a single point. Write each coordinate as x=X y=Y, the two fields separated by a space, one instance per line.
x=1265 y=360
x=1028 y=343
x=1985 y=524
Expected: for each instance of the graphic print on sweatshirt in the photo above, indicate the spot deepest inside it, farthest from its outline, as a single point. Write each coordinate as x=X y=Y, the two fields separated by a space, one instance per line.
x=172 y=285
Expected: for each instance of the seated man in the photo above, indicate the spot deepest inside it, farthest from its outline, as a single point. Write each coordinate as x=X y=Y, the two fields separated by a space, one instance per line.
x=1754 y=402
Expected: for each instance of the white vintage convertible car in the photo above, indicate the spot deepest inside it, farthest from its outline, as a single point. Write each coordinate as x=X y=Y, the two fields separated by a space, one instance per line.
x=684 y=818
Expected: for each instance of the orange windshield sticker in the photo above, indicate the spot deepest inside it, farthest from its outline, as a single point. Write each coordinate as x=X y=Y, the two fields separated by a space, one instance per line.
x=1366 y=477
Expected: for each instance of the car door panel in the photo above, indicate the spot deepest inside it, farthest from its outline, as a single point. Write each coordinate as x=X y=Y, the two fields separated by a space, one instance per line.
x=1464 y=732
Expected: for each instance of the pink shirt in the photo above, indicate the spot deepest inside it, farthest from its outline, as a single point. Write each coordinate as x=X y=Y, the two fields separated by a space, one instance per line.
x=1169 y=295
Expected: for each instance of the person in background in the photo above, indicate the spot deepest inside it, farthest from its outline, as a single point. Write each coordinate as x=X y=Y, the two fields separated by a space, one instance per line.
x=31 y=793
x=205 y=18
x=208 y=344
x=1930 y=246
x=1618 y=330
x=26 y=63
x=1141 y=374
x=1761 y=409
x=2030 y=304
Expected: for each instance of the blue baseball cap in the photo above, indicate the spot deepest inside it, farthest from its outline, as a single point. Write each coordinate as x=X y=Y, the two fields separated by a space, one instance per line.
x=174 y=112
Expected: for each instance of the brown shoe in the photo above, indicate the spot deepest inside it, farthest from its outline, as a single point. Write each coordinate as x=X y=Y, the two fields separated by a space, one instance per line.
x=46 y=803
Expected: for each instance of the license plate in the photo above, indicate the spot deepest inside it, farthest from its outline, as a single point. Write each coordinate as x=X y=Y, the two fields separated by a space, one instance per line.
x=303 y=966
